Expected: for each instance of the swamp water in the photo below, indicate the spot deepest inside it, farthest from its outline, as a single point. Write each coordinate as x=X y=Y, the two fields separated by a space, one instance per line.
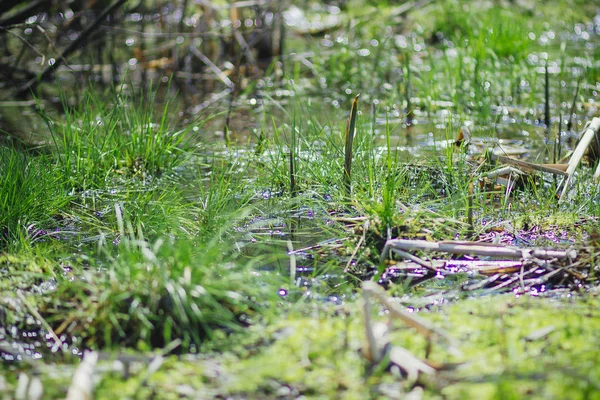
x=503 y=106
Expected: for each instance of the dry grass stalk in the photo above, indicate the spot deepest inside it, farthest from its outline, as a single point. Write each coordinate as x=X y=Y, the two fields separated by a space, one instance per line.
x=588 y=136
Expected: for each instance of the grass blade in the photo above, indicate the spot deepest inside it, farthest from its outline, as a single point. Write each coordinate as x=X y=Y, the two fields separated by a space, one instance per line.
x=348 y=147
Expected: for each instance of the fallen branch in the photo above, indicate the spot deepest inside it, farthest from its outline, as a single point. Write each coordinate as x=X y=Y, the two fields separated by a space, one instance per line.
x=556 y=169
x=379 y=351
x=480 y=249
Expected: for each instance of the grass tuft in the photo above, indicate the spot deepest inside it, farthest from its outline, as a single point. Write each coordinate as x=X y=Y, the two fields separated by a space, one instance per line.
x=149 y=294
x=31 y=194
x=107 y=138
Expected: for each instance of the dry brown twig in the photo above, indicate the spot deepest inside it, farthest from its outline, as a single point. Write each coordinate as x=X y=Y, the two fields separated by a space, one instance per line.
x=378 y=346
x=360 y=242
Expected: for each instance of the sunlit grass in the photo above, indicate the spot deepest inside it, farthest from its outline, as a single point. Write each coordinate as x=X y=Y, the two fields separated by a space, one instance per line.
x=32 y=195
x=147 y=294
x=107 y=137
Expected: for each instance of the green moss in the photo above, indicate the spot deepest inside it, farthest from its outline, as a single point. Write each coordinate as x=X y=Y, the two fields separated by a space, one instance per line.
x=312 y=355
x=509 y=348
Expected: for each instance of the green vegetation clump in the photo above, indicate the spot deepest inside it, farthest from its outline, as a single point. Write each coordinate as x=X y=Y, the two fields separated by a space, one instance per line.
x=32 y=194
x=149 y=294
x=109 y=136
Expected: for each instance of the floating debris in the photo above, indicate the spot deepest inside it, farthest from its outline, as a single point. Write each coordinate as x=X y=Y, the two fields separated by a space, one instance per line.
x=521 y=269
x=516 y=170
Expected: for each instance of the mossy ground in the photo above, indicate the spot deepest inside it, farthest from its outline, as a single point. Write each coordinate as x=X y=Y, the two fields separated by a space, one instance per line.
x=507 y=347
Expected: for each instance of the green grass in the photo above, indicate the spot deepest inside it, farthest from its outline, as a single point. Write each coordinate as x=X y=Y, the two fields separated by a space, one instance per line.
x=147 y=294
x=105 y=137
x=154 y=257
x=32 y=195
